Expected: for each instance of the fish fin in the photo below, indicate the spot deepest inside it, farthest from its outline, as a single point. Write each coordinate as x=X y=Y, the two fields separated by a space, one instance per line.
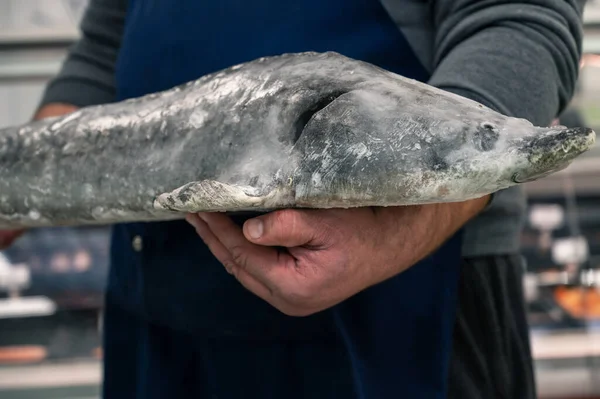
x=213 y=196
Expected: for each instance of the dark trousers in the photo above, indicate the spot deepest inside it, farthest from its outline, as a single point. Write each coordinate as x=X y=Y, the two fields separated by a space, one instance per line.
x=491 y=352
x=491 y=355
x=166 y=364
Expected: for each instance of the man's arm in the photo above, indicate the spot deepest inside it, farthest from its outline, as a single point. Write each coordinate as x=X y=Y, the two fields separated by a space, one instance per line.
x=520 y=58
x=88 y=72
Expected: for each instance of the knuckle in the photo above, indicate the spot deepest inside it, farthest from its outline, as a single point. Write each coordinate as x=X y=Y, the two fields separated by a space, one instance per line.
x=295 y=311
x=239 y=256
x=285 y=309
x=300 y=296
x=286 y=217
x=230 y=267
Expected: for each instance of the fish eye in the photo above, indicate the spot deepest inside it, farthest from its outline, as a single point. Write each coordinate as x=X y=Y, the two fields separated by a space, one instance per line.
x=488 y=126
x=486 y=137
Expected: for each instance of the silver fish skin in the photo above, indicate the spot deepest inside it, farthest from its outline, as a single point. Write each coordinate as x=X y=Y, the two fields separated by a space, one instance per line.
x=305 y=130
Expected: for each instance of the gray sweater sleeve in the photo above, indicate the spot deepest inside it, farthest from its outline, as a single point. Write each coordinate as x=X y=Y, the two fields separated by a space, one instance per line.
x=87 y=73
x=520 y=58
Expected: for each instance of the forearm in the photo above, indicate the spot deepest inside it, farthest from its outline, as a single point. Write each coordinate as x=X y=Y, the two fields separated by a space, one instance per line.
x=422 y=229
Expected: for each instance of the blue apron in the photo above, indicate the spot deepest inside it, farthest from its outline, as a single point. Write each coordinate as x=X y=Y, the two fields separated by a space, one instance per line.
x=177 y=325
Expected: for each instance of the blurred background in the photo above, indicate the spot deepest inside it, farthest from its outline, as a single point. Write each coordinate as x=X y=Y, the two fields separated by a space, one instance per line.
x=51 y=281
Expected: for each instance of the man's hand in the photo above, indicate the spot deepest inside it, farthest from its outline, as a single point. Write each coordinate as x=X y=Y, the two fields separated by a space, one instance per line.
x=52 y=110
x=8 y=237
x=305 y=261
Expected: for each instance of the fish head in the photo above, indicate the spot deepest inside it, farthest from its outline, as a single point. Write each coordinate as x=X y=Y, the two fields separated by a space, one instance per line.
x=550 y=150
x=376 y=146
x=487 y=151
x=500 y=151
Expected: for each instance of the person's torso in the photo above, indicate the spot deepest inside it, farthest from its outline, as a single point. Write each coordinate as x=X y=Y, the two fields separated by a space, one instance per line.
x=169 y=42
x=163 y=271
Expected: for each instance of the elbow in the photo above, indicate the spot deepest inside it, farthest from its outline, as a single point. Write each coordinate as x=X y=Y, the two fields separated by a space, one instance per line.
x=546 y=34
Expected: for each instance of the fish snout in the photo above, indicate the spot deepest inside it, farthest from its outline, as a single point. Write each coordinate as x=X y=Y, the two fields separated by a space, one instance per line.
x=553 y=150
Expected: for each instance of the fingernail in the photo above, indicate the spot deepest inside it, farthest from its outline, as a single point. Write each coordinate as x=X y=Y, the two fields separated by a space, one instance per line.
x=254 y=228
x=202 y=216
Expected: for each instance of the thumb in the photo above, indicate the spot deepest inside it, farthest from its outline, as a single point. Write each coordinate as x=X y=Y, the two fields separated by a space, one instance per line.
x=285 y=228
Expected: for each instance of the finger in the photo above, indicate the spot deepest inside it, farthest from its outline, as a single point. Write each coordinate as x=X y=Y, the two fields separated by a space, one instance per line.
x=286 y=228
x=220 y=252
x=215 y=246
x=7 y=237
x=259 y=267
x=266 y=264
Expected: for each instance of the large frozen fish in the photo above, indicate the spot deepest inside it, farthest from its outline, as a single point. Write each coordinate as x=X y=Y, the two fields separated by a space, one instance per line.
x=297 y=130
